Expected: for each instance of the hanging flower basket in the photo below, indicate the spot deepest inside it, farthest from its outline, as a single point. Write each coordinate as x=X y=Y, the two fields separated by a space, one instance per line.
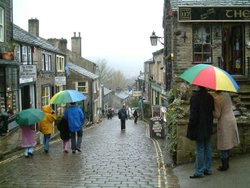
x=8 y=55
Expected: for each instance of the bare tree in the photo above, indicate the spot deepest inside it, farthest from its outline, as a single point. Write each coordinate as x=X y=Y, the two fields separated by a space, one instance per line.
x=111 y=78
x=104 y=72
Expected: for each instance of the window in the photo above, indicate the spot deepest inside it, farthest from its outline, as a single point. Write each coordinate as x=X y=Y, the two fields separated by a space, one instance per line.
x=9 y=90
x=82 y=87
x=202 y=44
x=46 y=60
x=45 y=95
x=60 y=63
x=1 y=24
x=25 y=55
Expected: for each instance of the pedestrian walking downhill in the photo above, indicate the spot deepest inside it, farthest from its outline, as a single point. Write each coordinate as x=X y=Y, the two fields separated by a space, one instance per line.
x=46 y=126
x=122 y=115
x=227 y=131
x=200 y=128
x=75 y=118
x=62 y=126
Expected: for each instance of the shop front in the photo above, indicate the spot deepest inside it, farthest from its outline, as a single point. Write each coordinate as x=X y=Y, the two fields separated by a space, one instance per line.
x=220 y=36
x=8 y=93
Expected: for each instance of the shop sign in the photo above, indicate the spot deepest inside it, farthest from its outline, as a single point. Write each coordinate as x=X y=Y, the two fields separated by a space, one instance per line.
x=60 y=80
x=137 y=93
x=214 y=14
x=28 y=71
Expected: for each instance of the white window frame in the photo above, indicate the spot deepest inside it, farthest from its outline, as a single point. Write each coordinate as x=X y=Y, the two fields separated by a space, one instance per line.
x=1 y=24
x=46 y=61
x=60 y=64
x=46 y=97
x=82 y=88
x=18 y=53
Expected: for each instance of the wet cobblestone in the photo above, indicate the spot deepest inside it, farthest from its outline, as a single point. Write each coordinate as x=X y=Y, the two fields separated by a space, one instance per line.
x=109 y=158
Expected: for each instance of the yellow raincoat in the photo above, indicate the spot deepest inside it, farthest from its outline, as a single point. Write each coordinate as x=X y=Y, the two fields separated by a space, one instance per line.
x=46 y=125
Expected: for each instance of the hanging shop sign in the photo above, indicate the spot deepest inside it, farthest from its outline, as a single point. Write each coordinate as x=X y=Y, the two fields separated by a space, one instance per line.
x=214 y=14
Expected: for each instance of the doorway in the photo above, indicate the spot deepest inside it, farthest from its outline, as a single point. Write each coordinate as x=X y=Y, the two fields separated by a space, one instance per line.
x=25 y=96
x=233 y=49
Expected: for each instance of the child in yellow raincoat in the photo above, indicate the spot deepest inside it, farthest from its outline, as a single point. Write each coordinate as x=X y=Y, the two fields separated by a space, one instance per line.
x=46 y=126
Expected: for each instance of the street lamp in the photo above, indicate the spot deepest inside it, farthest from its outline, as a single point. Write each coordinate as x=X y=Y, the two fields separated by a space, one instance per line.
x=154 y=38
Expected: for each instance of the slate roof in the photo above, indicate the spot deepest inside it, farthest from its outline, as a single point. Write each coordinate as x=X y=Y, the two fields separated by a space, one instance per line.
x=82 y=71
x=122 y=95
x=23 y=36
x=176 y=3
x=106 y=91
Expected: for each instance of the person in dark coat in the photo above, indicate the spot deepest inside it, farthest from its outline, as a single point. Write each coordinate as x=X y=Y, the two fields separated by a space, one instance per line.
x=135 y=116
x=200 y=129
x=122 y=115
x=62 y=126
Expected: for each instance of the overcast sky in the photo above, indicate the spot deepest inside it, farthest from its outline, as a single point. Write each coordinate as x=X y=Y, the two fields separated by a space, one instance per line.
x=115 y=30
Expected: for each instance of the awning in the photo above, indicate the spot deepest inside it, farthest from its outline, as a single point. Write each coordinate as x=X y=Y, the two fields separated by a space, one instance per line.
x=8 y=63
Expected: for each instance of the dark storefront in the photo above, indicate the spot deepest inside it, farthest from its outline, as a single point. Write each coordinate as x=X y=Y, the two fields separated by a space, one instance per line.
x=9 y=91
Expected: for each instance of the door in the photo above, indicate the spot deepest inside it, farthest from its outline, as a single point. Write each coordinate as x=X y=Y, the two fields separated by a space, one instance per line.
x=25 y=95
x=233 y=49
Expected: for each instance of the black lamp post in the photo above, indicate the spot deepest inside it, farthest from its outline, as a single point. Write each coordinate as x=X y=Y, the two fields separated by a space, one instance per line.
x=154 y=38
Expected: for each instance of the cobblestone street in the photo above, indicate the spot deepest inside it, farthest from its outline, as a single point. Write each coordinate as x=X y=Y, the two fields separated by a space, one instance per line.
x=110 y=158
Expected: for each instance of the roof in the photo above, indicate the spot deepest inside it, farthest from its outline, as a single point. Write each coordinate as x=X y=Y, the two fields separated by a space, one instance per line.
x=122 y=94
x=106 y=91
x=82 y=71
x=176 y=3
x=23 y=36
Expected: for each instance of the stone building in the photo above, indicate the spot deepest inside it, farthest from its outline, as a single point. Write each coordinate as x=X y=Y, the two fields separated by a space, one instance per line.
x=49 y=60
x=212 y=32
x=9 y=100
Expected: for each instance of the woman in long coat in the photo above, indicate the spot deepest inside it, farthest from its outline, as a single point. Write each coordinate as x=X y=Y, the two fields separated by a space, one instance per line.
x=227 y=131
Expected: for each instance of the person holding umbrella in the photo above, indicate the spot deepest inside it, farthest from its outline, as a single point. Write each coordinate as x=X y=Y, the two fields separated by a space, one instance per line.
x=200 y=129
x=75 y=118
x=227 y=131
x=46 y=126
x=27 y=119
x=28 y=139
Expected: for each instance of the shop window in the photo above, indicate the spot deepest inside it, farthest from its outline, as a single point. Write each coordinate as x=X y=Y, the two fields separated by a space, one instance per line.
x=60 y=63
x=9 y=90
x=1 y=24
x=202 y=52
x=45 y=95
x=82 y=87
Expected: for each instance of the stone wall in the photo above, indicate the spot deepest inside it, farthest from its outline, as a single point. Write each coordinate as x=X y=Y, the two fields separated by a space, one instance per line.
x=186 y=148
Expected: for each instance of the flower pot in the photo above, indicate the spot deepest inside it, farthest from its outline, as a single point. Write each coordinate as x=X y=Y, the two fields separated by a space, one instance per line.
x=8 y=55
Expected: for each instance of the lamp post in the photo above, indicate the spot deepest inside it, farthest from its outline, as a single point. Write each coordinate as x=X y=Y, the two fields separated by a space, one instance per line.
x=153 y=39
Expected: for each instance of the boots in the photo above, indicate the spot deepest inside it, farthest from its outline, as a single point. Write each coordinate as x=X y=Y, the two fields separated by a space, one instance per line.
x=225 y=165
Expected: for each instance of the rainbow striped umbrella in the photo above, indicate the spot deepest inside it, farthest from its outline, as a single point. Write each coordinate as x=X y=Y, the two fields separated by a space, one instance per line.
x=210 y=77
x=67 y=96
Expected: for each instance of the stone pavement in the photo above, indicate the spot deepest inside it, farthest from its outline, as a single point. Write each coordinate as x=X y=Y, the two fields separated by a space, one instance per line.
x=111 y=158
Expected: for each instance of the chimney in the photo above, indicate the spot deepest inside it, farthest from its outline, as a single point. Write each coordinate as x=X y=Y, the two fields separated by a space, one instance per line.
x=76 y=44
x=34 y=26
x=61 y=44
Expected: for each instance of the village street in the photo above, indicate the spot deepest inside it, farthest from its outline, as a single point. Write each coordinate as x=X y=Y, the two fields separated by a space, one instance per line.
x=109 y=158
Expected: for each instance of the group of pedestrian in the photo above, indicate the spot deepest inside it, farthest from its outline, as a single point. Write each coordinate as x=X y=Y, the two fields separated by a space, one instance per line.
x=70 y=127
x=204 y=107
